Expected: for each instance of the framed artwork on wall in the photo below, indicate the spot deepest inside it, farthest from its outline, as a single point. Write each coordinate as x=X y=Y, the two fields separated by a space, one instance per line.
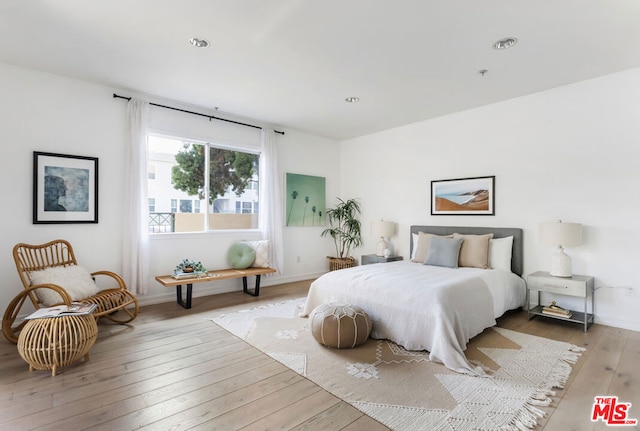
x=65 y=188
x=463 y=196
x=305 y=200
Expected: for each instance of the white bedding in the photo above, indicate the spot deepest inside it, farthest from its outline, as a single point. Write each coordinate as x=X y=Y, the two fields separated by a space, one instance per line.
x=422 y=307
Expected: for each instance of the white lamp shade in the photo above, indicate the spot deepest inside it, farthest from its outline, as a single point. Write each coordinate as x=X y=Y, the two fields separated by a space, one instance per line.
x=559 y=233
x=383 y=228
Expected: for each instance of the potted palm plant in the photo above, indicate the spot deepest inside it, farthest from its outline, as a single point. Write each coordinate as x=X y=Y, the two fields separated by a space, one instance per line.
x=345 y=232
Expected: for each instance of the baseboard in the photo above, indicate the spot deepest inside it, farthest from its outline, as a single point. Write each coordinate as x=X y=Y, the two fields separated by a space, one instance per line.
x=617 y=323
x=271 y=280
x=214 y=288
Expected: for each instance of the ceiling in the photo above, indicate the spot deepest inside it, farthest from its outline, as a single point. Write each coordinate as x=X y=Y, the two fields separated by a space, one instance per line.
x=292 y=63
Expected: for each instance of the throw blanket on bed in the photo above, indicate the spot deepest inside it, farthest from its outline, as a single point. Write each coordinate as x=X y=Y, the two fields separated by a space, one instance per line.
x=420 y=307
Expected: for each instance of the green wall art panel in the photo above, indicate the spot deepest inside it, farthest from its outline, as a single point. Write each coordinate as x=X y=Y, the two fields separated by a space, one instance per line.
x=306 y=202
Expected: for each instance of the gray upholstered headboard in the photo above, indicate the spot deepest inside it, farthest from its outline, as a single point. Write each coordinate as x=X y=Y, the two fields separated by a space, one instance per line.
x=517 y=259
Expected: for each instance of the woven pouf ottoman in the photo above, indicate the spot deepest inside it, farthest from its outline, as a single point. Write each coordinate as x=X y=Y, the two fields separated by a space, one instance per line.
x=340 y=325
x=51 y=343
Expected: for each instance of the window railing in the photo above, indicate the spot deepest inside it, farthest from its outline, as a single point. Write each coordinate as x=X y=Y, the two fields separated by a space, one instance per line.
x=162 y=222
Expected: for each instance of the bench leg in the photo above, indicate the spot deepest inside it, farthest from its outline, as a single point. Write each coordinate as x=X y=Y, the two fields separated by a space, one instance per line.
x=256 y=290
x=180 y=301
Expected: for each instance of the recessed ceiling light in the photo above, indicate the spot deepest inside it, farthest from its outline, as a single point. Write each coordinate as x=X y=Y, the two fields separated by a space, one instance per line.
x=352 y=99
x=505 y=43
x=197 y=42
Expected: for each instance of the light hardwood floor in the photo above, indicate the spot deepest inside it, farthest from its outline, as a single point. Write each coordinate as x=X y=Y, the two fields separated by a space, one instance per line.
x=174 y=369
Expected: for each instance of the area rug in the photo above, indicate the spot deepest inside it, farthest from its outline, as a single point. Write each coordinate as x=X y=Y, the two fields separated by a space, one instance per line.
x=403 y=389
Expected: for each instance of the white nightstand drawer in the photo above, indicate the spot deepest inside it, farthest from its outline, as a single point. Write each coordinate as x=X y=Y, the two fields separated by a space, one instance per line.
x=560 y=286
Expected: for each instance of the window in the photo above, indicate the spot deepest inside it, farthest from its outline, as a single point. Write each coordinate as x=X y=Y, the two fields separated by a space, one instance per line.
x=244 y=207
x=185 y=206
x=151 y=171
x=180 y=169
x=152 y=205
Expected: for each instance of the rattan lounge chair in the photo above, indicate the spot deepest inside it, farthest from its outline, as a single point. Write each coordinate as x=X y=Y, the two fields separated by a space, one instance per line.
x=116 y=304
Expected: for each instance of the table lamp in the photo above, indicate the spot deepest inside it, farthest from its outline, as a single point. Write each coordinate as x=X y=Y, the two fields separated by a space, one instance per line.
x=560 y=234
x=382 y=229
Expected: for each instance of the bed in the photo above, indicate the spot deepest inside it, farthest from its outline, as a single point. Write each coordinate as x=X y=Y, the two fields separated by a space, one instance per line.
x=429 y=306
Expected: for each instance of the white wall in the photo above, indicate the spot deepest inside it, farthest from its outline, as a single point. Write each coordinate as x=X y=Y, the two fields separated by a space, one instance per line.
x=44 y=112
x=570 y=153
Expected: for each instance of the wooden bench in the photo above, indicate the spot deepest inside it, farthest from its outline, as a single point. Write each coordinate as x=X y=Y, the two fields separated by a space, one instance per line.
x=221 y=274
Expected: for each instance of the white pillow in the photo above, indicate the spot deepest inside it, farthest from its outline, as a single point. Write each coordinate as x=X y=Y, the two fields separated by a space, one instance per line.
x=414 y=236
x=262 y=253
x=500 y=253
x=74 y=279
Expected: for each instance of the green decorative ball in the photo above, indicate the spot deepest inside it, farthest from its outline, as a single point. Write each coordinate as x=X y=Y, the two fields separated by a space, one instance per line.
x=241 y=255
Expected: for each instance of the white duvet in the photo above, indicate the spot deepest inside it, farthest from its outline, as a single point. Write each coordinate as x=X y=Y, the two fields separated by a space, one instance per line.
x=422 y=307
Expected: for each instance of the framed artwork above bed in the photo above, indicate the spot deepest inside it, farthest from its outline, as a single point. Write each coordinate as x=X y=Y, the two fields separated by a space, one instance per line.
x=463 y=196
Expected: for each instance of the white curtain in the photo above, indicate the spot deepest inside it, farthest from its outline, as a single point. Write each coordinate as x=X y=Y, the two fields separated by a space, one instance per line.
x=271 y=210
x=135 y=252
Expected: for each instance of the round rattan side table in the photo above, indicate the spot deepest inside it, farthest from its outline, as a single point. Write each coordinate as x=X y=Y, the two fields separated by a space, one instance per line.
x=50 y=343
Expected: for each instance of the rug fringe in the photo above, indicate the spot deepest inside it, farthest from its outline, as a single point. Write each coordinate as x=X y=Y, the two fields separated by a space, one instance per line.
x=561 y=374
x=541 y=398
x=573 y=354
x=527 y=418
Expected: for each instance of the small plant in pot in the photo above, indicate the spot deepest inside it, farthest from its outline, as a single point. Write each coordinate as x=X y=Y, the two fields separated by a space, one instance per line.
x=188 y=266
x=345 y=231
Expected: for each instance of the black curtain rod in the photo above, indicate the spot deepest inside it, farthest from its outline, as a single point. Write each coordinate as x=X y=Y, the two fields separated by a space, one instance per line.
x=210 y=117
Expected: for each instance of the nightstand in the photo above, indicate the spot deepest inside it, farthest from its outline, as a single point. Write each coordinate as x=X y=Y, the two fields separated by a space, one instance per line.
x=580 y=286
x=366 y=259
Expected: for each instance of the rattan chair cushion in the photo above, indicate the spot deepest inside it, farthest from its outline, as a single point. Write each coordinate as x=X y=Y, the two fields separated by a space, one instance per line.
x=74 y=279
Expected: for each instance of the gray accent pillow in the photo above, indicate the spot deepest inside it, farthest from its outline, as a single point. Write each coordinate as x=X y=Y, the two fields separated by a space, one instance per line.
x=421 y=246
x=444 y=252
